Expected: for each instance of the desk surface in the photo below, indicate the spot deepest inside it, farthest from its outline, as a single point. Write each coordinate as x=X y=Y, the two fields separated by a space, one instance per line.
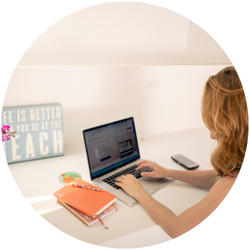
x=38 y=180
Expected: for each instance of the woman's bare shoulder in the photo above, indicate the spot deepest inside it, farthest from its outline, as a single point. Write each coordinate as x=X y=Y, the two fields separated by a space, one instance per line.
x=197 y=213
x=200 y=211
x=221 y=188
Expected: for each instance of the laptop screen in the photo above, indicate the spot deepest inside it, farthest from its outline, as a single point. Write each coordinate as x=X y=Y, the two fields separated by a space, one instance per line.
x=111 y=146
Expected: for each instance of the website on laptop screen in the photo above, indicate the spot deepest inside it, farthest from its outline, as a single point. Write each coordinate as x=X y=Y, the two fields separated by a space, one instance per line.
x=110 y=146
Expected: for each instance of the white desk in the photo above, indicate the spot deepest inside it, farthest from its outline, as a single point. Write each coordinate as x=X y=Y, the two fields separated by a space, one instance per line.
x=129 y=226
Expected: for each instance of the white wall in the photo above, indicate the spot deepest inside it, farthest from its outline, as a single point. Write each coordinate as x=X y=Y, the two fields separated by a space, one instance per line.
x=92 y=96
x=131 y=33
x=66 y=64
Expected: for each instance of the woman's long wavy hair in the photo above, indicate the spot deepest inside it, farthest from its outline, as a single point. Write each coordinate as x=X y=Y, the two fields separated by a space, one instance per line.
x=224 y=110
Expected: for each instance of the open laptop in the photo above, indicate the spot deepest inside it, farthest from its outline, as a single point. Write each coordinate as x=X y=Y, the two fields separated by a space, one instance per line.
x=112 y=150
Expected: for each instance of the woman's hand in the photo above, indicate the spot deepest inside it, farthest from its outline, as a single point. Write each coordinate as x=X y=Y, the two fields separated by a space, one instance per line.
x=157 y=170
x=129 y=184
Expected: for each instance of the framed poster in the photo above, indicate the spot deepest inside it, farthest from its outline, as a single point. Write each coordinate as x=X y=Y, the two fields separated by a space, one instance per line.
x=39 y=132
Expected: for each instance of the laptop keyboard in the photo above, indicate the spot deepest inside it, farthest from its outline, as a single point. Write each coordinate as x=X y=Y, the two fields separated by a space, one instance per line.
x=111 y=179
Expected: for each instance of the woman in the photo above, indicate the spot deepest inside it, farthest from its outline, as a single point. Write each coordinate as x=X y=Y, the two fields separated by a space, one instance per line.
x=224 y=112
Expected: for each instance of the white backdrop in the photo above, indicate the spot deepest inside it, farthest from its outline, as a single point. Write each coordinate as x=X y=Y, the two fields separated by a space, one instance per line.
x=92 y=96
x=83 y=61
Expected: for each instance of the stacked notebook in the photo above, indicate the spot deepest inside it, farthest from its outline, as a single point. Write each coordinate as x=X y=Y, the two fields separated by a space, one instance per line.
x=87 y=204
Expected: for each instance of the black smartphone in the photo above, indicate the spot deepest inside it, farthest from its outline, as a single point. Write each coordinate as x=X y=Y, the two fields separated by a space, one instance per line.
x=185 y=162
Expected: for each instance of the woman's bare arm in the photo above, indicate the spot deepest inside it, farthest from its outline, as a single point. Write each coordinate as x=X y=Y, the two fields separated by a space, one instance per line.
x=163 y=216
x=177 y=226
x=203 y=178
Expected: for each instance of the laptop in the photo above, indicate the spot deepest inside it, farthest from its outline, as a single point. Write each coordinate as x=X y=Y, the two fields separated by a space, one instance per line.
x=112 y=150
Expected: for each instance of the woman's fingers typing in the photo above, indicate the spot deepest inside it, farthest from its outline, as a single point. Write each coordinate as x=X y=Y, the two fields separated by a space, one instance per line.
x=143 y=165
x=157 y=171
x=150 y=174
x=140 y=163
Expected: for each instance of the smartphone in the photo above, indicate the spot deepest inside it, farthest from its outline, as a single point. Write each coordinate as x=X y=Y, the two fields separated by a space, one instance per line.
x=185 y=162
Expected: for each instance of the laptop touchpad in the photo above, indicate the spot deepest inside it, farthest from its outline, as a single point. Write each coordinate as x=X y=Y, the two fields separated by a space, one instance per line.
x=151 y=184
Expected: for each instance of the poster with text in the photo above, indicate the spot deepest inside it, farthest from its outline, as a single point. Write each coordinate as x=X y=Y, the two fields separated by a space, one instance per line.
x=39 y=132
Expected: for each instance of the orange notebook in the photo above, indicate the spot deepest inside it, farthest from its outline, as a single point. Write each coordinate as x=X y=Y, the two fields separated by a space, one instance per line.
x=87 y=201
